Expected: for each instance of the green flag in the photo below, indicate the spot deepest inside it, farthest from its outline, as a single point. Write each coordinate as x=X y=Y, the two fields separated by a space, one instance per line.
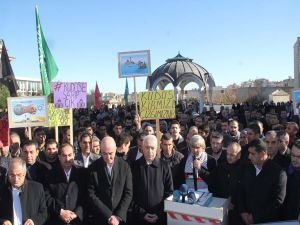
x=48 y=67
x=126 y=93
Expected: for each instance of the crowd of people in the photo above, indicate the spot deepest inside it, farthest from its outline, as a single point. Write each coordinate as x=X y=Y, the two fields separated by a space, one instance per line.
x=119 y=169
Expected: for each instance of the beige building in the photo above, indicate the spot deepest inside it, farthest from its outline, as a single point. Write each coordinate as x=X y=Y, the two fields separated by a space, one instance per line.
x=279 y=96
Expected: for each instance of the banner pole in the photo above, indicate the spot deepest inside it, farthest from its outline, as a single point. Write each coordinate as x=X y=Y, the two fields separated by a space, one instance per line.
x=136 y=107
x=56 y=134
x=158 y=135
x=29 y=133
x=71 y=127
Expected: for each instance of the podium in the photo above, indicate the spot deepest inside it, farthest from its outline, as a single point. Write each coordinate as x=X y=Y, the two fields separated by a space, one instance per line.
x=180 y=213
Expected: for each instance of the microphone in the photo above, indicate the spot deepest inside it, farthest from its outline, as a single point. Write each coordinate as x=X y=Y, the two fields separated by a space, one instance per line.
x=191 y=197
x=195 y=174
x=184 y=191
x=176 y=195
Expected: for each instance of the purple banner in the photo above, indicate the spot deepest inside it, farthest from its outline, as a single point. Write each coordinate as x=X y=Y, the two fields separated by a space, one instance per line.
x=70 y=95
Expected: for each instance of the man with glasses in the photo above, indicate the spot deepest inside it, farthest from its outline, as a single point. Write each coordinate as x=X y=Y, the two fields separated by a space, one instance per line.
x=21 y=201
x=109 y=186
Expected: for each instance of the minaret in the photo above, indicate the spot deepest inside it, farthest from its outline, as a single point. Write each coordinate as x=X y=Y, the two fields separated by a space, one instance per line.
x=297 y=64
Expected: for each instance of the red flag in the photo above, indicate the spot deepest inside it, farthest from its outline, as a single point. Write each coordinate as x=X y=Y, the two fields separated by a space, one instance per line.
x=97 y=97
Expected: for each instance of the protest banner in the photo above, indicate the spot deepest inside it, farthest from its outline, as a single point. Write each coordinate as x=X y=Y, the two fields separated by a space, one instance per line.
x=157 y=104
x=27 y=111
x=296 y=102
x=4 y=132
x=134 y=64
x=70 y=95
x=58 y=117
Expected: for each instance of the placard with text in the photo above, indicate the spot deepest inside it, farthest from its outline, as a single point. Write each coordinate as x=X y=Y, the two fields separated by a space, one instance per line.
x=157 y=104
x=70 y=95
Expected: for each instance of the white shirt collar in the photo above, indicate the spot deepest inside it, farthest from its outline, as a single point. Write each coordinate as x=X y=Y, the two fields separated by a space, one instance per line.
x=257 y=170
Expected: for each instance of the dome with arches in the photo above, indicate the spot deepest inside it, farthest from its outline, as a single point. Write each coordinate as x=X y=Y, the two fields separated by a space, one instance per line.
x=179 y=71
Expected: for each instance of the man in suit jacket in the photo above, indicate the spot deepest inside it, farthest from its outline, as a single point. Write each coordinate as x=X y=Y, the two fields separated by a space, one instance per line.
x=36 y=169
x=84 y=158
x=66 y=185
x=263 y=187
x=136 y=152
x=21 y=201
x=109 y=186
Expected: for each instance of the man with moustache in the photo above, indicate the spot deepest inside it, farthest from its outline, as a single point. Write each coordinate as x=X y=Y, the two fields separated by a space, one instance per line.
x=66 y=185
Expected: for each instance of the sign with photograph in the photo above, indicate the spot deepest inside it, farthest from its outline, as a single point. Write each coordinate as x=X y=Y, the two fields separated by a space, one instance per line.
x=70 y=95
x=27 y=111
x=157 y=104
x=134 y=64
x=58 y=117
x=296 y=102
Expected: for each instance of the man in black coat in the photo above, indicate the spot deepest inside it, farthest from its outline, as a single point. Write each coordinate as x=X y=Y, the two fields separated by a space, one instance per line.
x=292 y=201
x=2 y=175
x=21 y=201
x=65 y=186
x=216 y=149
x=169 y=154
x=136 y=152
x=224 y=180
x=36 y=170
x=109 y=186
x=152 y=183
x=272 y=142
x=263 y=187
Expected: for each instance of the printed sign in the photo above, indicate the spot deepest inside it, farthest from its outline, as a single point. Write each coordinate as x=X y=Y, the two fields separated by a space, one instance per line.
x=27 y=111
x=70 y=95
x=134 y=64
x=58 y=117
x=296 y=102
x=157 y=104
x=4 y=132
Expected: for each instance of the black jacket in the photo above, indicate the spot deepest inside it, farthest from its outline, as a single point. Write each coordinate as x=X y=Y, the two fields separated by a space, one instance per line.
x=66 y=195
x=151 y=185
x=32 y=200
x=107 y=197
x=173 y=161
x=262 y=195
x=292 y=201
x=224 y=180
x=38 y=172
x=2 y=176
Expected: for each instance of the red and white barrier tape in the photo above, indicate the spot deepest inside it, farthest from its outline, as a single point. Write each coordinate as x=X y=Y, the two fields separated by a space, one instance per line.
x=177 y=216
